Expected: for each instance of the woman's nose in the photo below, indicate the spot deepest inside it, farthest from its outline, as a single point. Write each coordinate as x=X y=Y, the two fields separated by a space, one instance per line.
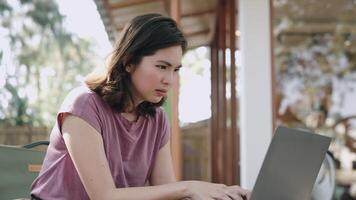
x=168 y=78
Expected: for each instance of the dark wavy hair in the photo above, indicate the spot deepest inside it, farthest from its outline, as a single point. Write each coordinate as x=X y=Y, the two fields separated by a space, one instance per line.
x=142 y=36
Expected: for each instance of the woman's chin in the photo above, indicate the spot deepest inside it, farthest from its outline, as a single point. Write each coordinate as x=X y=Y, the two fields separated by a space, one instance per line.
x=155 y=100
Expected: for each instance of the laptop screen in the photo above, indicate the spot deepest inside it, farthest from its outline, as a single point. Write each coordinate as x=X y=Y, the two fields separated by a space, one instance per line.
x=291 y=165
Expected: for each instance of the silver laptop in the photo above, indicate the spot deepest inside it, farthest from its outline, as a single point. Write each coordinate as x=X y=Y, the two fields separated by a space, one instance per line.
x=291 y=165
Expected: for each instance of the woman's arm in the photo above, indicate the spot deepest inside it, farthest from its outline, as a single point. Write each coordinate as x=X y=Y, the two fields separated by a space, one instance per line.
x=86 y=149
x=85 y=146
x=163 y=171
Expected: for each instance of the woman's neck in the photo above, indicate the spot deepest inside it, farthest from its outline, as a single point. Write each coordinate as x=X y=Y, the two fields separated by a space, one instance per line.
x=130 y=112
x=130 y=116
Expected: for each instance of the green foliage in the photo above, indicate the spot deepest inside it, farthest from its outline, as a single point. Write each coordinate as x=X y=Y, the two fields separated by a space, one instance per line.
x=46 y=62
x=4 y=6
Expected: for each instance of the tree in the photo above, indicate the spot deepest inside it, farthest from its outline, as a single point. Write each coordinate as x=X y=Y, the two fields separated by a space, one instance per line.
x=46 y=62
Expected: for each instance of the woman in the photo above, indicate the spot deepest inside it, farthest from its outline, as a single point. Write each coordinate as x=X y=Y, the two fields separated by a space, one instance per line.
x=111 y=137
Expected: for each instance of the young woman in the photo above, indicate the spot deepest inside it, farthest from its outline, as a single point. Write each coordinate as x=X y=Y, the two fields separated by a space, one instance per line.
x=111 y=138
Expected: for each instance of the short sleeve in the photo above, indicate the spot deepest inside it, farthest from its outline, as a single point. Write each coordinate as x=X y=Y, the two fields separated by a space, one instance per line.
x=166 y=131
x=81 y=103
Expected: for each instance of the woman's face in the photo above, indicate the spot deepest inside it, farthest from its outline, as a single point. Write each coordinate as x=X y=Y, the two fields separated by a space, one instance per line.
x=154 y=76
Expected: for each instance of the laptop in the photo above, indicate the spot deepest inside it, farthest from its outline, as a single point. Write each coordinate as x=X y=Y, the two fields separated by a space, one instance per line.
x=291 y=165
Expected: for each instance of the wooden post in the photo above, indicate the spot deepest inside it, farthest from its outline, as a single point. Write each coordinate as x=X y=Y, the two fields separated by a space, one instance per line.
x=175 y=137
x=225 y=140
x=222 y=128
x=214 y=107
x=219 y=128
x=232 y=139
x=273 y=79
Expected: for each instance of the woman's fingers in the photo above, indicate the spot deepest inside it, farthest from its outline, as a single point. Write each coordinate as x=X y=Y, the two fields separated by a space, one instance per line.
x=248 y=196
x=233 y=195
x=223 y=197
x=223 y=193
x=213 y=191
x=242 y=193
x=239 y=190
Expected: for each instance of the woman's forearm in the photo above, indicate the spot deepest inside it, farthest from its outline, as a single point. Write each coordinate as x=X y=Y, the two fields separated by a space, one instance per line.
x=171 y=191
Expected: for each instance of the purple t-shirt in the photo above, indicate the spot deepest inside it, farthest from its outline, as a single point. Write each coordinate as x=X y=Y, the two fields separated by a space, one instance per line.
x=130 y=147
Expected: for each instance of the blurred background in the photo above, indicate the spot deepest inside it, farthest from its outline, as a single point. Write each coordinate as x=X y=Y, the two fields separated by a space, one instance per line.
x=252 y=65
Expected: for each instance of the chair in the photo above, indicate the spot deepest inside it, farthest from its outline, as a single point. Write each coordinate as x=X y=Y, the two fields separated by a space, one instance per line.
x=325 y=182
x=19 y=166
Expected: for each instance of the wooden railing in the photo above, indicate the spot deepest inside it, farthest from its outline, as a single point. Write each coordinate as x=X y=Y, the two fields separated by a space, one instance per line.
x=22 y=135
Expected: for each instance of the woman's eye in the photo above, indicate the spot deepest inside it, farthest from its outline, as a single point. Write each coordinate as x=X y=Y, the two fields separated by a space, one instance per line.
x=177 y=69
x=161 y=66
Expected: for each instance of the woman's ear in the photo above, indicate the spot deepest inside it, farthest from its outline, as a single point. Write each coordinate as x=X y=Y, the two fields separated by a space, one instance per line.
x=129 y=68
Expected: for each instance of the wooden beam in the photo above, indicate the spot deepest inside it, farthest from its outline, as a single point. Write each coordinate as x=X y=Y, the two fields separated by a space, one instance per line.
x=127 y=3
x=305 y=33
x=203 y=12
x=195 y=14
x=175 y=10
x=188 y=15
x=109 y=27
x=201 y=32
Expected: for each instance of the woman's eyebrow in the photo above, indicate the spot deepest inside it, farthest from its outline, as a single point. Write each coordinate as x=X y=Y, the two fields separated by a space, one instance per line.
x=165 y=62
x=168 y=63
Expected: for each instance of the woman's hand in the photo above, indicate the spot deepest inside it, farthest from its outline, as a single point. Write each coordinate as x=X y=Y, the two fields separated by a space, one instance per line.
x=238 y=191
x=210 y=191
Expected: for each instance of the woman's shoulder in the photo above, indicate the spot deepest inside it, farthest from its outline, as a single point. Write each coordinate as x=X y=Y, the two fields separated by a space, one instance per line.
x=85 y=104
x=80 y=96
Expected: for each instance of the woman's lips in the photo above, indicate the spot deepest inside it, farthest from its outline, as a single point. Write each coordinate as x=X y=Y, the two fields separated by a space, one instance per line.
x=161 y=93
